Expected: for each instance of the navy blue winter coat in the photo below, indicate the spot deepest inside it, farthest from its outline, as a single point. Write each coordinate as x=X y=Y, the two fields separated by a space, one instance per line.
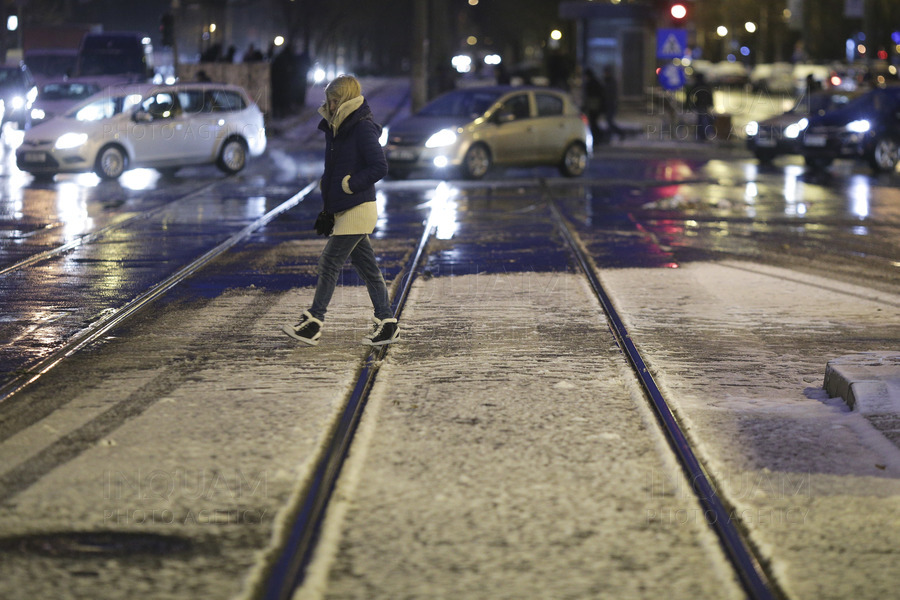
x=354 y=151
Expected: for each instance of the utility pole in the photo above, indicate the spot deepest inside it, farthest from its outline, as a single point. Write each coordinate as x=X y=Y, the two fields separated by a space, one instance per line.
x=421 y=43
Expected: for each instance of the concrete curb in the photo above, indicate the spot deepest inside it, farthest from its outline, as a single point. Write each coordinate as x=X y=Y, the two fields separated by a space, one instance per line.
x=868 y=382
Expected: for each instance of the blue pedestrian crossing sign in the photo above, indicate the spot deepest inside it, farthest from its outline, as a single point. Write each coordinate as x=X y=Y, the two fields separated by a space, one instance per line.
x=671 y=43
x=671 y=77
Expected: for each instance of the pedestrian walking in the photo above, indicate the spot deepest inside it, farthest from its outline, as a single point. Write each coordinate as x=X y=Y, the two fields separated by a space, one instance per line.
x=354 y=161
x=611 y=103
x=594 y=99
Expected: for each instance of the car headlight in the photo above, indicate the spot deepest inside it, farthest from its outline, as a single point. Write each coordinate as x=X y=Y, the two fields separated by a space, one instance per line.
x=37 y=114
x=860 y=126
x=70 y=140
x=17 y=102
x=752 y=129
x=382 y=139
x=444 y=137
x=793 y=130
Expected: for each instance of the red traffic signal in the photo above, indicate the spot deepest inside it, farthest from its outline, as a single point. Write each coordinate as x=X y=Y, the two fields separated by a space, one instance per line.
x=678 y=11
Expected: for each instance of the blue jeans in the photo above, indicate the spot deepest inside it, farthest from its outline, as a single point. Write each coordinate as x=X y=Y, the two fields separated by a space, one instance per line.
x=362 y=257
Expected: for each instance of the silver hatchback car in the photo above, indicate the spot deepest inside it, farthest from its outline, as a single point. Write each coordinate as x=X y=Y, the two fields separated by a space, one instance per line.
x=164 y=127
x=469 y=130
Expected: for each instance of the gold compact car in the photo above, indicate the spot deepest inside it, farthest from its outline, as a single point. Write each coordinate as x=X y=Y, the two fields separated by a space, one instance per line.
x=469 y=130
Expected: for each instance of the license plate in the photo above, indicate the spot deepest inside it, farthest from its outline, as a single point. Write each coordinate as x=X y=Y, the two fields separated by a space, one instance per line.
x=766 y=143
x=35 y=157
x=816 y=141
x=401 y=154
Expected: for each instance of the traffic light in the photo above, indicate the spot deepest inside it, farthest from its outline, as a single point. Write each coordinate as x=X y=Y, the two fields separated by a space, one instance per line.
x=678 y=11
x=167 y=29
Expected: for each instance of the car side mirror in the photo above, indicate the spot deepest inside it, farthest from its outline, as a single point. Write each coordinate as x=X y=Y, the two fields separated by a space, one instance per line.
x=142 y=116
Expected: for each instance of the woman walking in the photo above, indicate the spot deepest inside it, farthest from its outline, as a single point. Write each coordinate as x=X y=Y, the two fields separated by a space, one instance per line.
x=354 y=161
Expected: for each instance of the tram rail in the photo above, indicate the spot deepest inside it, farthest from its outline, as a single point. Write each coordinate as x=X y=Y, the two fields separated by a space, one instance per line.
x=111 y=319
x=287 y=575
x=739 y=551
x=99 y=233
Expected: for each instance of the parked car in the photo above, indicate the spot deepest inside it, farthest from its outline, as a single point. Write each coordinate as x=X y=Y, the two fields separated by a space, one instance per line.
x=783 y=134
x=142 y=125
x=57 y=96
x=18 y=91
x=868 y=128
x=472 y=129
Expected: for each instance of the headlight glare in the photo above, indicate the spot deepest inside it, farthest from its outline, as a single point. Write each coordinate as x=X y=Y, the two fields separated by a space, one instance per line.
x=444 y=137
x=70 y=140
x=793 y=130
x=752 y=129
x=860 y=126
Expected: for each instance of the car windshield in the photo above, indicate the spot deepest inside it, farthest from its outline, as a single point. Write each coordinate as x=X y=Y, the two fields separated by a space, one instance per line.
x=10 y=77
x=819 y=104
x=68 y=91
x=104 y=108
x=462 y=103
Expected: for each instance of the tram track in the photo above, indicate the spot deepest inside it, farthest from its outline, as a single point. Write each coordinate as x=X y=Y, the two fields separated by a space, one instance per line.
x=744 y=557
x=100 y=233
x=115 y=317
x=288 y=572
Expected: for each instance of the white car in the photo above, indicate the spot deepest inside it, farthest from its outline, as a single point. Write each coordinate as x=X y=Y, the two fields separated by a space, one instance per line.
x=142 y=125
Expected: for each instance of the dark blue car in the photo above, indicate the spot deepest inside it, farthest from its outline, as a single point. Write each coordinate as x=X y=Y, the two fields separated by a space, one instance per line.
x=868 y=128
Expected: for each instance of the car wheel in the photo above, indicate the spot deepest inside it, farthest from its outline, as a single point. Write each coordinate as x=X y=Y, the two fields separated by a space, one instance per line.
x=575 y=160
x=233 y=156
x=885 y=155
x=818 y=163
x=477 y=162
x=111 y=162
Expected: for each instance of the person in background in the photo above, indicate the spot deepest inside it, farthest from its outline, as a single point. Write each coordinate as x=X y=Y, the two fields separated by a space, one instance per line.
x=594 y=99
x=700 y=100
x=354 y=162
x=611 y=103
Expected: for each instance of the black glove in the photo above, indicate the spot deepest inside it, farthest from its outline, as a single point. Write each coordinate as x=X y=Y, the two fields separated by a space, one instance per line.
x=324 y=223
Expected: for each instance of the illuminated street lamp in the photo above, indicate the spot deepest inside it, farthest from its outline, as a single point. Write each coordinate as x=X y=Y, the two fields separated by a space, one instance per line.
x=555 y=37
